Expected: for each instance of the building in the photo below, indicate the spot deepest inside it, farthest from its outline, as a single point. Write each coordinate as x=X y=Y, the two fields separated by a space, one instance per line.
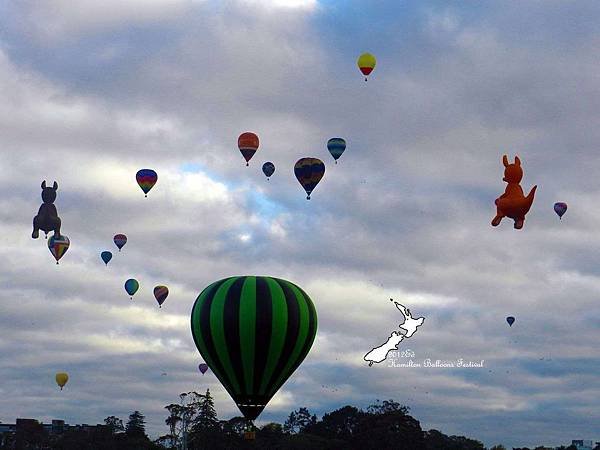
x=583 y=444
x=25 y=426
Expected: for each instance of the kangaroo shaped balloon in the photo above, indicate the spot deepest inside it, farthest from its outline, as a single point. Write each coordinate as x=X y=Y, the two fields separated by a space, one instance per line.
x=47 y=217
x=513 y=203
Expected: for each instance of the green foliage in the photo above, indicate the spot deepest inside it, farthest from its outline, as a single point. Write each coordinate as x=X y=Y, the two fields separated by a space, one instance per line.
x=114 y=424
x=298 y=421
x=136 y=426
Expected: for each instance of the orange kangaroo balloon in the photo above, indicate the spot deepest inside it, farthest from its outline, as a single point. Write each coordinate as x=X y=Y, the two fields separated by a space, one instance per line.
x=513 y=202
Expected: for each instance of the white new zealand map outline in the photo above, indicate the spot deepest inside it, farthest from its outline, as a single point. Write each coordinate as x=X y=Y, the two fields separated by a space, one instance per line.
x=407 y=329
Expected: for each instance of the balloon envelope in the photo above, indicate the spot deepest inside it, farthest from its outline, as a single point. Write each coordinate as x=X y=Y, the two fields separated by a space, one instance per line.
x=160 y=294
x=61 y=379
x=366 y=63
x=268 y=169
x=203 y=368
x=146 y=179
x=106 y=257
x=248 y=144
x=253 y=332
x=510 y=320
x=309 y=172
x=58 y=246
x=120 y=240
x=560 y=208
x=131 y=286
x=336 y=147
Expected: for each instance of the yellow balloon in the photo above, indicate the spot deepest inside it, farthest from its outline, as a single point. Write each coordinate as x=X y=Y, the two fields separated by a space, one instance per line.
x=366 y=63
x=61 y=379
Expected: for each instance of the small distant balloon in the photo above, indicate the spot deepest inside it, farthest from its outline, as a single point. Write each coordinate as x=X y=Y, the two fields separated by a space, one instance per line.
x=160 y=294
x=131 y=286
x=248 y=144
x=336 y=147
x=510 y=320
x=106 y=257
x=203 y=368
x=120 y=240
x=146 y=179
x=268 y=169
x=58 y=246
x=366 y=63
x=61 y=379
x=309 y=172
x=560 y=208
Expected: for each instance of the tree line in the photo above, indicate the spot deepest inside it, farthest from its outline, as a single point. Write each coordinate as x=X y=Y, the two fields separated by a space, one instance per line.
x=193 y=425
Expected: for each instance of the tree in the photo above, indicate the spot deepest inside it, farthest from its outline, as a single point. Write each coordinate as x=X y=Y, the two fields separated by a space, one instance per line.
x=498 y=447
x=393 y=429
x=298 y=421
x=387 y=406
x=236 y=426
x=136 y=426
x=341 y=423
x=114 y=424
x=207 y=415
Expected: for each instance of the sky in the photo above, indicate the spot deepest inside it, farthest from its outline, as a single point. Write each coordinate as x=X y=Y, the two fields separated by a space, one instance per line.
x=90 y=94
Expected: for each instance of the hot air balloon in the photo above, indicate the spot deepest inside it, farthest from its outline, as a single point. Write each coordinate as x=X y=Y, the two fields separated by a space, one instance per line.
x=309 y=172
x=106 y=257
x=366 y=63
x=336 y=147
x=203 y=368
x=61 y=379
x=47 y=217
x=510 y=320
x=160 y=294
x=131 y=286
x=120 y=240
x=58 y=246
x=253 y=332
x=513 y=203
x=268 y=169
x=146 y=179
x=248 y=144
x=560 y=208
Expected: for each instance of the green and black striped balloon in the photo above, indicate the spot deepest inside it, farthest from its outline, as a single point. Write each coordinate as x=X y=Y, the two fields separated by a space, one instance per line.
x=253 y=332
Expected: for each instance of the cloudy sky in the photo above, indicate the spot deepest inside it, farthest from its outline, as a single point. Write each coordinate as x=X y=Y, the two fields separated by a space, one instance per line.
x=89 y=94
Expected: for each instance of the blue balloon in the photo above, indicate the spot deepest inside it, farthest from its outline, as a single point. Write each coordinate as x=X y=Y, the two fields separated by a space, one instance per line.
x=106 y=257
x=510 y=320
x=336 y=147
x=268 y=169
x=560 y=208
x=131 y=286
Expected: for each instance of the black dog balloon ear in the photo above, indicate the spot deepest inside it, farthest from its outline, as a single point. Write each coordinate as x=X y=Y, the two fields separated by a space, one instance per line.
x=44 y=184
x=55 y=186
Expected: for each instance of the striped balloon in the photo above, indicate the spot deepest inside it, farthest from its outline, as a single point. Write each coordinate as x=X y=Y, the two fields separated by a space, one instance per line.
x=146 y=179
x=336 y=147
x=58 y=246
x=309 y=172
x=160 y=294
x=253 y=332
x=120 y=240
x=248 y=144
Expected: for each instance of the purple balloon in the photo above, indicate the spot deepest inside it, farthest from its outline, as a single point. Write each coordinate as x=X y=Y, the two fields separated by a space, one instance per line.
x=203 y=368
x=560 y=208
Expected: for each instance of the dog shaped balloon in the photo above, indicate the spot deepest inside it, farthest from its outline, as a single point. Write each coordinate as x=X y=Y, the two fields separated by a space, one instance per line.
x=47 y=217
x=513 y=202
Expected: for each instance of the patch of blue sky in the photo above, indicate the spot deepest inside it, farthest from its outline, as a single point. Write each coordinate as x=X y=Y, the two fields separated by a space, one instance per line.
x=199 y=168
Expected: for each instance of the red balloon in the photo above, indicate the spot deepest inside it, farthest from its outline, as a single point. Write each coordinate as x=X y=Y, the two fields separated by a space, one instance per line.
x=248 y=144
